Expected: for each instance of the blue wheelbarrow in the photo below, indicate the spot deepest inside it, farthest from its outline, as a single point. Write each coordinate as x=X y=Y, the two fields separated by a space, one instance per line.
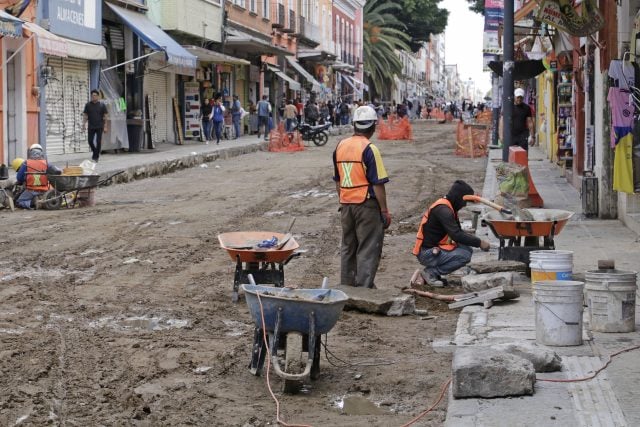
x=294 y=320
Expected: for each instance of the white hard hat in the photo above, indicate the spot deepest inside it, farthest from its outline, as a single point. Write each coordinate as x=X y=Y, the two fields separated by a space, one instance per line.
x=364 y=117
x=518 y=92
x=36 y=147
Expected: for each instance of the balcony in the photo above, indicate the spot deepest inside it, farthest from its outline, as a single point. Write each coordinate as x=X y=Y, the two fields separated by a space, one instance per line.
x=308 y=33
x=278 y=16
x=291 y=28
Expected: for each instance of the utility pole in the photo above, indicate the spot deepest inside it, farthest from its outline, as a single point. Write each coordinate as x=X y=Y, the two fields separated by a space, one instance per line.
x=507 y=75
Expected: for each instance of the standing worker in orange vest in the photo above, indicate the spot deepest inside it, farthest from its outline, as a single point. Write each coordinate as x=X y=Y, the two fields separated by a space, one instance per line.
x=33 y=174
x=360 y=178
x=441 y=245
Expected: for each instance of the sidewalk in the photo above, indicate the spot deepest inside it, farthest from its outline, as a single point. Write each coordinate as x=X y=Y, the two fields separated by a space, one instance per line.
x=165 y=158
x=610 y=399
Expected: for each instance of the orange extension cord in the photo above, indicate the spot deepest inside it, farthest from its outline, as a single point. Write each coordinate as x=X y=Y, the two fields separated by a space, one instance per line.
x=445 y=386
x=281 y=422
x=575 y=380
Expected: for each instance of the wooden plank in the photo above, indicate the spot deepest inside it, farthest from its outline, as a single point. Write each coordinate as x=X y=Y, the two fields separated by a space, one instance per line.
x=481 y=297
x=178 y=121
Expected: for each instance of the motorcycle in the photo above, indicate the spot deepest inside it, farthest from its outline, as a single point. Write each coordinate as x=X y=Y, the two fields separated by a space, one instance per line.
x=318 y=134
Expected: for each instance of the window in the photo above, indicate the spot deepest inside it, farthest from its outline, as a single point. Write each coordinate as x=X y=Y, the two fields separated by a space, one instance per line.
x=253 y=7
x=265 y=9
x=240 y=3
x=214 y=1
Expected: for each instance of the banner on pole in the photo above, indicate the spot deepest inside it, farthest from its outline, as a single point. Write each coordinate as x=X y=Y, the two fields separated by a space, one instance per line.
x=562 y=15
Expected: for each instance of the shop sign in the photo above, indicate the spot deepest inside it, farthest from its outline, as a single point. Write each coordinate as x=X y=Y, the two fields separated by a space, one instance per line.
x=562 y=15
x=76 y=19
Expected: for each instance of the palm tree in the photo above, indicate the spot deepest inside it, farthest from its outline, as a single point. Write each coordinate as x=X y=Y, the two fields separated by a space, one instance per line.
x=382 y=36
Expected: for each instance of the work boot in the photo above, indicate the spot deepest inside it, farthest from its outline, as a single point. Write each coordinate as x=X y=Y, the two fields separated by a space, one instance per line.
x=433 y=280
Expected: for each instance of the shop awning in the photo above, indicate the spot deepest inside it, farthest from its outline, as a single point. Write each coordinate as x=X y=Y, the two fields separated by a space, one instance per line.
x=347 y=78
x=10 y=26
x=339 y=65
x=156 y=39
x=207 y=55
x=55 y=45
x=48 y=42
x=252 y=44
x=304 y=73
x=315 y=55
x=361 y=83
x=293 y=85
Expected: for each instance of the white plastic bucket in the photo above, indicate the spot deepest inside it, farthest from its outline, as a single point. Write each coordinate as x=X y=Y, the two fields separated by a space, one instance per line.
x=558 y=312
x=611 y=298
x=551 y=265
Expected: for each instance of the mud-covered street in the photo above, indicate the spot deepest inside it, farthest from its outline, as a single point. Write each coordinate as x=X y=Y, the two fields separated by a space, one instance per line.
x=121 y=314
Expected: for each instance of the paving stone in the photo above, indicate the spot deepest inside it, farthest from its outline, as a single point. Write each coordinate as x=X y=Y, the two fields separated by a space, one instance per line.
x=496 y=266
x=481 y=282
x=388 y=302
x=543 y=359
x=483 y=372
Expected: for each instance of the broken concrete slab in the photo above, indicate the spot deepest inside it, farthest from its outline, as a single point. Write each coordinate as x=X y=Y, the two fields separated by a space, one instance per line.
x=543 y=359
x=387 y=302
x=482 y=282
x=497 y=266
x=483 y=372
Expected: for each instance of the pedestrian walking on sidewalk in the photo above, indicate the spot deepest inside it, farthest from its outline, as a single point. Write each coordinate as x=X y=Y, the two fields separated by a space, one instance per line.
x=207 y=116
x=522 y=123
x=236 y=115
x=360 y=179
x=218 y=118
x=95 y=118
x=441 y=245
x=264 y=109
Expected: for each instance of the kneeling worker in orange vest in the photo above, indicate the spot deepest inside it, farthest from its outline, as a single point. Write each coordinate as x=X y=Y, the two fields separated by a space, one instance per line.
x=441 y=245
x=33 y=174
x=360 y=177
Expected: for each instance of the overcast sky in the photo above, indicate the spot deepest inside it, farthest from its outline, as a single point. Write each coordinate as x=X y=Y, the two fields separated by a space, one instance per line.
x=463 y=42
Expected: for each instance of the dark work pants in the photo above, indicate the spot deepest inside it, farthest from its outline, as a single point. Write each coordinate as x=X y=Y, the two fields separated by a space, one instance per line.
x=96 y=146
x=521 y=140
x=362 y=236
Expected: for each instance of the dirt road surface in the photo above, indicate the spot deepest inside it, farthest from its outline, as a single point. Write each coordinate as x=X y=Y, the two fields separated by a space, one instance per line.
x=120 y=314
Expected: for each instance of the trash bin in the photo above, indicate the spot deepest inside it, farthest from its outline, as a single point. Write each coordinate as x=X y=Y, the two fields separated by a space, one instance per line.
x=134 y=130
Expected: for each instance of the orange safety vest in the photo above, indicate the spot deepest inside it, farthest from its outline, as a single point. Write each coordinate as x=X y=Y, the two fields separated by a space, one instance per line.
x=354 y=187
x=445 y=243
x=36 y=179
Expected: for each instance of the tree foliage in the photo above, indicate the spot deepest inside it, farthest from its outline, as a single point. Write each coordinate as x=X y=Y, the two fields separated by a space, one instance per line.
x=422 y=18
x=476 y=6
x=383 y=34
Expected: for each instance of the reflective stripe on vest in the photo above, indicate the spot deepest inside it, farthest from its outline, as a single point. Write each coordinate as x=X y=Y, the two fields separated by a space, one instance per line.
x=37 y=175
x=354 y=187
x=445 y=243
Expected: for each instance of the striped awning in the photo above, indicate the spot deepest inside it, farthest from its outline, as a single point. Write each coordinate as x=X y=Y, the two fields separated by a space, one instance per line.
x=10 y=26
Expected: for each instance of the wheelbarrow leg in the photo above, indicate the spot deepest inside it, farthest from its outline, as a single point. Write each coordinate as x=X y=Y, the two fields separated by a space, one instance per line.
x=237 y=278
x=315 y=350
x=258 y=352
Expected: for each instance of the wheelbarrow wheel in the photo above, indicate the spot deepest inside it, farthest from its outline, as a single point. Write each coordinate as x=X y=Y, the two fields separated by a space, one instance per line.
x=52 y=200
x=294 y=362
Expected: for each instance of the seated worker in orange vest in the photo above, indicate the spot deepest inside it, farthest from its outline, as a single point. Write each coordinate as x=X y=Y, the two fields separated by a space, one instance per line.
x=441 y=245
x=33 y=174
x=360 y=178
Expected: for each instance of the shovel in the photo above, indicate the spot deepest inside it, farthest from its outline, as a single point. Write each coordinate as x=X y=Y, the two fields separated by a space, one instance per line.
x=478 y=199
x=287 y=236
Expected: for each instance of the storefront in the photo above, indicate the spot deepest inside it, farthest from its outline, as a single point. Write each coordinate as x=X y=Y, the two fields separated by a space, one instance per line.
x=145 y=63
x=69 y=48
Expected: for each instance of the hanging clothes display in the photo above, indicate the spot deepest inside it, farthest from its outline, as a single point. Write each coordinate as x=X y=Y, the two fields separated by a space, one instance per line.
x=622 y=112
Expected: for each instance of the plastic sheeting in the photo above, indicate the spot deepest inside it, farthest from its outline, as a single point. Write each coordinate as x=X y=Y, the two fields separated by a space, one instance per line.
x=113 y=94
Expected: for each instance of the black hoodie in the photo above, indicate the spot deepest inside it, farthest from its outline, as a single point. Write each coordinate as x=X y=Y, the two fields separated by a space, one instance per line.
x=442 y=221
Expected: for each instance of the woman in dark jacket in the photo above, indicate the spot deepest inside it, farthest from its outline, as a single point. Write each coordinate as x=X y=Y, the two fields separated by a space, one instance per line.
x=206 y=120
x=218 y=118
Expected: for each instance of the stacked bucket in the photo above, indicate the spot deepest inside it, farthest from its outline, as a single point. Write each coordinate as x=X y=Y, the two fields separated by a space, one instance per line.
x=610 y=298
